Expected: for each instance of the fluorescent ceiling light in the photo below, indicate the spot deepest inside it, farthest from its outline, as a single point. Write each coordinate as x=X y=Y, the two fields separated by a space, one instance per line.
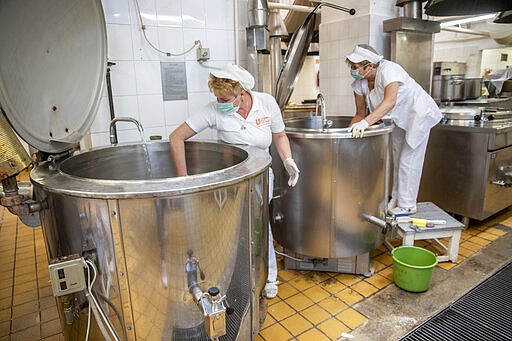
x=468 y=20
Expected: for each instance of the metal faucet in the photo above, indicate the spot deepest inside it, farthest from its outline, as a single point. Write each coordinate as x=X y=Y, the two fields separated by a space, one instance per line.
x=320 y=111
x=112 y=130
x=212 y=304
x=486 y=114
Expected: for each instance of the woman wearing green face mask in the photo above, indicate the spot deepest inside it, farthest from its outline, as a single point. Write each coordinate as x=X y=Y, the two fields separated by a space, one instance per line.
x=383 y=89
x=240 y=116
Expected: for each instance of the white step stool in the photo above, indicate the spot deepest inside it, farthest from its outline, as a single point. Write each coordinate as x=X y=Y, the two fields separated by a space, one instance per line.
x=427 y=210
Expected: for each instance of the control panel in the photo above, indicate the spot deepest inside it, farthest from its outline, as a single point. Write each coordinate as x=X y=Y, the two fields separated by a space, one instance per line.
x=67 y=275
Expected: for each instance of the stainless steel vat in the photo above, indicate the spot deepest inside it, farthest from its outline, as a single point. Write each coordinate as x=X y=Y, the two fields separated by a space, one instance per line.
x=468 y=162
x=473 y=87
x=342 y=182
x=452 y=88
x=124 y=208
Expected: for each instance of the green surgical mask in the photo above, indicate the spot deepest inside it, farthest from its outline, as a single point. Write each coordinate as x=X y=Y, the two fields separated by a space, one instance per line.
x=227 y=107
x=355 y=74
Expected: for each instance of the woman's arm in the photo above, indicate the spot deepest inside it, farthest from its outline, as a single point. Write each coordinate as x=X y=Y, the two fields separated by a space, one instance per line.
x=388 y=103
x=285 y=153
x=360 y=109
x=282 y=145
x=177 y=141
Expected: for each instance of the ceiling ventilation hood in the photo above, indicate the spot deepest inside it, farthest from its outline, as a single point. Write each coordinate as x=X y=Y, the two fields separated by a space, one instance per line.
x=504 y=18
x=467 y=7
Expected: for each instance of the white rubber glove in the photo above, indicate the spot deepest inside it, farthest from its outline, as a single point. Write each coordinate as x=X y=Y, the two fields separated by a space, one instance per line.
x=358 y=128
x=293 y=171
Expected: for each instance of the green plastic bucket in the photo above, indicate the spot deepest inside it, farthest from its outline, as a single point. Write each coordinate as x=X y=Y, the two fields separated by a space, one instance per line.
x=413 y=267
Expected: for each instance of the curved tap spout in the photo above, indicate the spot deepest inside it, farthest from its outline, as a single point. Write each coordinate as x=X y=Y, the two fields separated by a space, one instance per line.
x=113 y=136
x=320 y=111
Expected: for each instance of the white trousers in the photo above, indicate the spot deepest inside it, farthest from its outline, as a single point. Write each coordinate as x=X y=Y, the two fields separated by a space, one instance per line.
x=272 y=263
x=407 y=168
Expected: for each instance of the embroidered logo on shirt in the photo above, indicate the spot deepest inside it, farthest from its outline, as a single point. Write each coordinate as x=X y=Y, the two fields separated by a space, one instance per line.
x=263 y=121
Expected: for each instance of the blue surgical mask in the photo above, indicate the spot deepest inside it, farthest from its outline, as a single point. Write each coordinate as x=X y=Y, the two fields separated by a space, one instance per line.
x=227 y=107
x=355 y=74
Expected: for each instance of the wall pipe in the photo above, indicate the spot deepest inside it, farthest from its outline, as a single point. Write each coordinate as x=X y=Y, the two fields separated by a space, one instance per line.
x=110 y=98
x=465 y=31
x=298 y=8
x=308 y=9
x=237 y=53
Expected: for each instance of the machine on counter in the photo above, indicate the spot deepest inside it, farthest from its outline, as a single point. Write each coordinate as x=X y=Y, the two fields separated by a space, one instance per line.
x=450 y=84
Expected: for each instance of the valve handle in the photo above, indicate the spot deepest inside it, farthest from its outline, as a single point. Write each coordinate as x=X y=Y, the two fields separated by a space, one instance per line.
x=213 y=291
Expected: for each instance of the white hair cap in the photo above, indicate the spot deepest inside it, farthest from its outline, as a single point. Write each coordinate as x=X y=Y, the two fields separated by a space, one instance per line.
x=360 y=53
x=236 y=73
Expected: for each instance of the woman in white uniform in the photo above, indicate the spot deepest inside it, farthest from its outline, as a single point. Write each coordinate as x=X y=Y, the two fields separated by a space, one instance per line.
x=382 y=89
x=240 y=116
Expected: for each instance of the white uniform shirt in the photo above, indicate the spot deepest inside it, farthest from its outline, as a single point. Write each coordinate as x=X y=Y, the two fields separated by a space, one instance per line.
x=415 y=111
x=256 y=130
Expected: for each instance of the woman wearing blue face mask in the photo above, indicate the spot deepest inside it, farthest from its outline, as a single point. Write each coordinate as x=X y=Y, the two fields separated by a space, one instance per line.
x=383 y=89
x=240 y=116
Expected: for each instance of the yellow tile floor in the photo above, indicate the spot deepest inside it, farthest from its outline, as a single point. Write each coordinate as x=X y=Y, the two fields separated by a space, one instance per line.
x=314 y=305
x=311 y=305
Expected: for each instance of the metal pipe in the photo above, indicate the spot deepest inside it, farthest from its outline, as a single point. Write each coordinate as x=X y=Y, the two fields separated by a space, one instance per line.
x=412 y=9
x=113 y=136
x=308 y=9
x=276 y=61
x=465 y=31
x=20 y=204
x=110 y=98
x=237 y=52
x=258 y=11
x=297 y=8
x=320 y=111
x=277 y=31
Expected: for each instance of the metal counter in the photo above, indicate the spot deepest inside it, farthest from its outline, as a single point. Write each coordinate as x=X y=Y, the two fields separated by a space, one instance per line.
x=468 y=163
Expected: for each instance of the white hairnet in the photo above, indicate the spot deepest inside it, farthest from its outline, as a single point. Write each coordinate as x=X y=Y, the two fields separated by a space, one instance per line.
x=236 y=73
x=360 y=53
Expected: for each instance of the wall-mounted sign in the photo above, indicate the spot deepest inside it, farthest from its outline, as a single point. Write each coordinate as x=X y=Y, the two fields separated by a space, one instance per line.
x=174 y=81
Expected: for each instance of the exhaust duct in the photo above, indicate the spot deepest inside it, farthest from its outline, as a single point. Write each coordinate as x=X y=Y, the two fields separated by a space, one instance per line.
x=467 y=7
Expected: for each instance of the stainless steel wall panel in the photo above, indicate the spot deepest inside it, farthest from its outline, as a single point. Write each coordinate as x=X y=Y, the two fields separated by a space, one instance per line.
x=413 y=51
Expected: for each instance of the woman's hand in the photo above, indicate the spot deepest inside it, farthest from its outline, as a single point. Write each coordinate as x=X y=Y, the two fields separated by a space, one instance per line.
x=358 y=128
x=293 y=171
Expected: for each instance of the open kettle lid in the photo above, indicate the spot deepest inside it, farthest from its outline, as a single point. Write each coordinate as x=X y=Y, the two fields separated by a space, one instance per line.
x=52 y=69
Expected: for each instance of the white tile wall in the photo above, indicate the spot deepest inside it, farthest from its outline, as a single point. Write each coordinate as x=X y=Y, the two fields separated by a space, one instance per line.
x=151 y=111
x=123 y=78
x=117 y=11
x=169 y=13
x=171 y=26
x=337 y=39
x=194 y=13
x=306 y=84
x=449 y=46
x=175 y=25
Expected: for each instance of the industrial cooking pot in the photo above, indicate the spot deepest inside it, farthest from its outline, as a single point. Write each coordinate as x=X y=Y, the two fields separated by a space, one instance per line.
x=473 y=87
x=155 y=236
x=343 y=181
x=452 y=88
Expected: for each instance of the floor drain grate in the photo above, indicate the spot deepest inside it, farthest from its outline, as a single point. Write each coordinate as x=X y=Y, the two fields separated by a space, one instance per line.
x=483 y=313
